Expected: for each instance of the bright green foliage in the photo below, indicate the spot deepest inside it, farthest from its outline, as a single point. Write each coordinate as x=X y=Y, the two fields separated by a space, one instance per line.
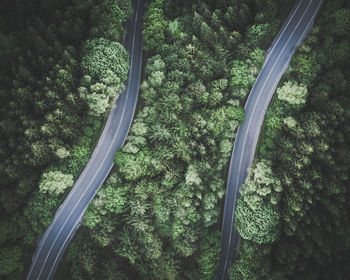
x=80 y=156
x=62 y=152
x=257 y=217
x=101 y=56
x=259 y=223
x=110 y=200
x=99 y=96
x=290 y=122
x=134 y=167
x=244 y=73
x=258 y=35
x=105 y=62
x=55 y=182
x=292 y=93
x=98 y=101
x=192 y=176
x=241 y=78
x=261 y=184
x=116 y=201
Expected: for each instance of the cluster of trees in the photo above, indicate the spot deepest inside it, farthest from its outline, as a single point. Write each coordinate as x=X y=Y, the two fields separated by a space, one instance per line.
x=61 y=65
x=303 y=233
x=158 y=214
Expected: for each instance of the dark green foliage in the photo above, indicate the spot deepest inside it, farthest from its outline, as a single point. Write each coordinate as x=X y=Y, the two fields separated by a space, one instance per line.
x=155 y=23
x=108 y=18
x=208 y=254
x=10 y=260
x=253 y=262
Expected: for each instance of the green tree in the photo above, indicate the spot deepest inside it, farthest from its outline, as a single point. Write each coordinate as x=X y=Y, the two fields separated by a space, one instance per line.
x=103 y=57
x=292 y=93
x=154 y=26
x=108 y=18
x=10 y=260
x=259 y=224
x=55 y=182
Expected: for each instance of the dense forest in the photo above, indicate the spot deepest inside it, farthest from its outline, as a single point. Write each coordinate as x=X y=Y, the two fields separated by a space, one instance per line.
x=158 y=215
x=293 y=215
x=61 y=66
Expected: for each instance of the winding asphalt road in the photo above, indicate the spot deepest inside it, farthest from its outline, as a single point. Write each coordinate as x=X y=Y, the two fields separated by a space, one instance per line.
x=68 y=217
x=295 y=29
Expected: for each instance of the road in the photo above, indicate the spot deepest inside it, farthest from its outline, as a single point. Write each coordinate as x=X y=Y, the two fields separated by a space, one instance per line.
x=68 y=217
x=294 y=30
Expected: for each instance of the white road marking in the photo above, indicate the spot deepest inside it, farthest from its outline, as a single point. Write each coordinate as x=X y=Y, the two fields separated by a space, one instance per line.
x=80 y=178
x=246 y=133
x=285 y=27
x=276 y=43
x=288 y=60
x=68 y=237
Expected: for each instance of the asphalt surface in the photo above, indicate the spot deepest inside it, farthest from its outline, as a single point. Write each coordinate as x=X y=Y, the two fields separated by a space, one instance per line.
x=277 y=60
x=68 y=217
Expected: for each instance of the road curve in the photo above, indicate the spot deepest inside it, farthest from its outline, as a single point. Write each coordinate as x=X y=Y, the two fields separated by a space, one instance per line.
x=68 y=217
x=295 y=29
